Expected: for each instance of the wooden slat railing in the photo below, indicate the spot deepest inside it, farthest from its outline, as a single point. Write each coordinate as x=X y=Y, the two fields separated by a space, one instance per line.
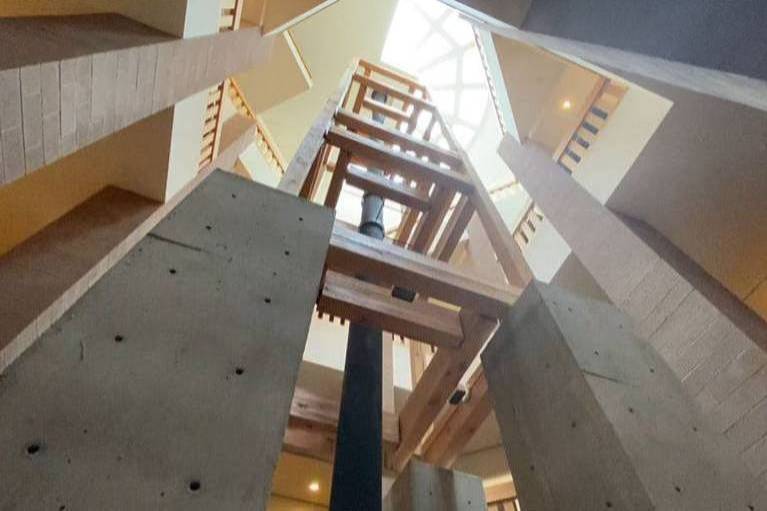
x=264 y=140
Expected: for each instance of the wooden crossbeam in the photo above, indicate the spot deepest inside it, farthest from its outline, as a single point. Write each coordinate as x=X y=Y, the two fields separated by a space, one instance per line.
x=405 y=141
x=367 y=304
x=393 y=92
x=437 y=384
x=454 y=430
x=387 y=188
x=380 y=156
x=355 y=254
x=337 y=182
x=390 y=73
x=385 y=110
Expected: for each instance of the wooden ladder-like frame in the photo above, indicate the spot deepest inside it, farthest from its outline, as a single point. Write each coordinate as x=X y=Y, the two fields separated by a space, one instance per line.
x=420 y=165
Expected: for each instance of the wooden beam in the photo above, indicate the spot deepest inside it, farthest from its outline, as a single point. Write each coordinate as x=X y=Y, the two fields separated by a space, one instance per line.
x=355 y=254
x=437 y=384
x=507 y=251
x=300 y=166
x=380 y=156
x=370 y=305
x=454 y=430
x=385 y=110
x=405 y=141
x=501 y=492
x=393 y=92
x=456 y=226
x=337 y=181
x=431 y=221
x=391 y=73
x=387 y=188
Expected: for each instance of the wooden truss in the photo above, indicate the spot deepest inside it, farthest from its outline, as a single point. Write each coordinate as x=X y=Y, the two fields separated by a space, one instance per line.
x=413 y=159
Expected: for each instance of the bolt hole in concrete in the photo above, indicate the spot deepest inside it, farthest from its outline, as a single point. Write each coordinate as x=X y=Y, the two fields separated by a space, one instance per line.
x=678 y=489
x=267 y=300
x=608 y=504
x=119 y=338
x=300 y=219
x=172 y=271
x=287 y=252
x=33 y=448
x=194 y=486
x=208 y=227
x=234 y=196
x=238 y=371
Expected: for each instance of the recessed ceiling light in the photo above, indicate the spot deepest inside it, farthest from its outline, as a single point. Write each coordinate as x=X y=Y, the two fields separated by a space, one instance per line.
x=314 y=487
x=566 y=104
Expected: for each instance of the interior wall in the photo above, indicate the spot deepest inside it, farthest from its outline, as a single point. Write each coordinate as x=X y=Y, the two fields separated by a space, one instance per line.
x=135 y=158
x=167 y=15
x=329 y=41
x=701 y=182
x=728 y=36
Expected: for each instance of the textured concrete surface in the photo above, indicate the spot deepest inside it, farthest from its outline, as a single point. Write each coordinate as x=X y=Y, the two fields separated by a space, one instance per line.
x=168 y=385
x=55 y=102
x=592 y=417
x=713 y=342
x=422 y=487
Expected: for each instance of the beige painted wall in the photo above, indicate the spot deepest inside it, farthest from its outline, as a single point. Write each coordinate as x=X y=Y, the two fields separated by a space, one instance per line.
x=166 y=15
x=135 y=159
x=329 y=41
x=283 y=76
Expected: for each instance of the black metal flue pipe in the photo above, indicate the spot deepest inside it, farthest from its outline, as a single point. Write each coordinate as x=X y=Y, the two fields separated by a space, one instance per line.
x=358 y=465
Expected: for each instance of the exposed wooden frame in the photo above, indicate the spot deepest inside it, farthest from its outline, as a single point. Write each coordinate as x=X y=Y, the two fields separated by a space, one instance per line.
x=371 y=305
x=393 y=92
x=300 y=165
x=354 y=253
x=387 y=188
x=366 y=149
x=437 y=384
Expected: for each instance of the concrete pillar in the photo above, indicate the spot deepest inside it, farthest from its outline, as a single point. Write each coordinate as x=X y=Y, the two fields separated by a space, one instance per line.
x=592 y=418
x=710 y=339
x=714 y=47
x=169 y=383
x=75 y=79
x=422 y=487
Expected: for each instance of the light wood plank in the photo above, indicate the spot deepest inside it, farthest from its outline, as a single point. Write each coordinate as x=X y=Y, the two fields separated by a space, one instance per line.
x=355 y=254
x=404 y=164
x=393 y=92
x=367 y=304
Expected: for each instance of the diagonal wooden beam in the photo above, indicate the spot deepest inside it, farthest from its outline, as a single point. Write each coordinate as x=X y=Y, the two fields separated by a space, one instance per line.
x=387 y=188
x=437 y=384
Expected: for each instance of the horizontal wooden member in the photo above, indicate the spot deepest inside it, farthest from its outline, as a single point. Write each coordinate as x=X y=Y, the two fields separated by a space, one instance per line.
x=385 y=110
x=322 y=413
x=352 y=253
x=391 y=73
x=393 y=92
x=387 y=188
x=396 y=161
x=389 y=135
x=374 y=306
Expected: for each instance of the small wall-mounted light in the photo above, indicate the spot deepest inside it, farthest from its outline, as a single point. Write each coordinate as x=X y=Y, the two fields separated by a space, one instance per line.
x=566 y=104
x=314 y=487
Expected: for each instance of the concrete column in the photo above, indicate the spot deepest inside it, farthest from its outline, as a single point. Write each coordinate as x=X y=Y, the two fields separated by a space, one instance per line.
x=592 y=417
x=711 y=340
x=76 y=79
x=169 y=383
x=422 y=487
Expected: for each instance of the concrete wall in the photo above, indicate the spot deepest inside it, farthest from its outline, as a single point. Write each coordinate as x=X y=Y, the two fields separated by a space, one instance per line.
x=135 y=395
x=701 y=182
